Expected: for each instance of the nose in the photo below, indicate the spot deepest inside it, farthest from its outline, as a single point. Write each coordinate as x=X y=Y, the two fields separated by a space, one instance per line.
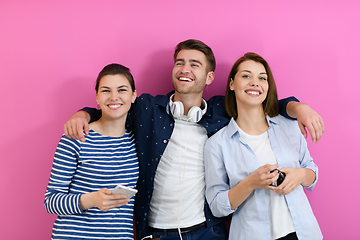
x=114 y=95
x=185 y=68
x=254 y=82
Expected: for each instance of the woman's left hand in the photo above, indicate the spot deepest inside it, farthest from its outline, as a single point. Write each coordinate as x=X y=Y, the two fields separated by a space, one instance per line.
x=294 y=177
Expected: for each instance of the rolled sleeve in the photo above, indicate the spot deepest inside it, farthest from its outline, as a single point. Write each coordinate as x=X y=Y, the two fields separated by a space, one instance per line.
x=306 y=161
x=217 y=187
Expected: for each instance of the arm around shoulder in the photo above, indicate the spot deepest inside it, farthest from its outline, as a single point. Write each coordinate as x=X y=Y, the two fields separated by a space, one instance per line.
x=78 y=124
x=307 y=118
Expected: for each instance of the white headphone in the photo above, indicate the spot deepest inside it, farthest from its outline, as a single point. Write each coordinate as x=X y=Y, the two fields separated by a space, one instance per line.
x=195 y=113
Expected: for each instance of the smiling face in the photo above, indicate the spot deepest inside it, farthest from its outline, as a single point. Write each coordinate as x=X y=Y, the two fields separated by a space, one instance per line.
x=190 y=74
x=250 y=84
x=115 y=96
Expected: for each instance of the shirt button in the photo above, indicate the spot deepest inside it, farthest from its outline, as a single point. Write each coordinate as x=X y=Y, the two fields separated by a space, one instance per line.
x=165 y=141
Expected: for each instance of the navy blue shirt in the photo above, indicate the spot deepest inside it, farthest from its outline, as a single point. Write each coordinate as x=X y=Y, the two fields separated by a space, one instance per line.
x=152 y=123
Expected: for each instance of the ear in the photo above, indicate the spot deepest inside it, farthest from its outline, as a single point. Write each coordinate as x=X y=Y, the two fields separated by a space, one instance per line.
x=96 y=97
x=231 y=84
x=210 y=77
x=133 y=97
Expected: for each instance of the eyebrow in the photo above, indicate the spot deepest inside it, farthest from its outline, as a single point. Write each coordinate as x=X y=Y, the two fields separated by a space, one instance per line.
x=121 y=86
x=251 y=72
x=191 y=60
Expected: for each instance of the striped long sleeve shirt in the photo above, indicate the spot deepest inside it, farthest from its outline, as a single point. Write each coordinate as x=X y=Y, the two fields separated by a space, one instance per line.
x=78 y=168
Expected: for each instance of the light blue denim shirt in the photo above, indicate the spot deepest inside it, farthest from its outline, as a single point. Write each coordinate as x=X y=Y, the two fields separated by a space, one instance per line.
x=228 y=160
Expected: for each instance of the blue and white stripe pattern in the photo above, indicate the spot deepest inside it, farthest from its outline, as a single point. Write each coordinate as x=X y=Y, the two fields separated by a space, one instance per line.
x=78 y=168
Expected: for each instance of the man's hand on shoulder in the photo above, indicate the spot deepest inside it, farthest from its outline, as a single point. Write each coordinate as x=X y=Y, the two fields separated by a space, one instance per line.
x=307 y=118
x=77 y=125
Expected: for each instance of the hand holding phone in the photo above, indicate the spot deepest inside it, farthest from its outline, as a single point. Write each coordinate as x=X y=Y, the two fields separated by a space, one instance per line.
x=120 y=189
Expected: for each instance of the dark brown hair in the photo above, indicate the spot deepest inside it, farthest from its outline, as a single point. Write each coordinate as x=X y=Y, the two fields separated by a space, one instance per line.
x=270 y=104
x=115 y=69
x=192 y=44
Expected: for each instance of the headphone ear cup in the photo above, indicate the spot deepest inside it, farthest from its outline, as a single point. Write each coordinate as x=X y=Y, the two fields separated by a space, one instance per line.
x=195 y=114
x=177 y=109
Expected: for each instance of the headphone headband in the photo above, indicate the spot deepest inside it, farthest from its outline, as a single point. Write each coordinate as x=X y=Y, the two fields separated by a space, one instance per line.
x=195 y=113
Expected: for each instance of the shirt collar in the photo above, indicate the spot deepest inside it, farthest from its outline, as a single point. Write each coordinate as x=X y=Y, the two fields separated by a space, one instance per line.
x=164 y=100
x=272 y=120
x=233 y=128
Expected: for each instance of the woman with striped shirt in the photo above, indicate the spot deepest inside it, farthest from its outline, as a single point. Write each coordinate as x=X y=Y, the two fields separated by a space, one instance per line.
x=84 y=173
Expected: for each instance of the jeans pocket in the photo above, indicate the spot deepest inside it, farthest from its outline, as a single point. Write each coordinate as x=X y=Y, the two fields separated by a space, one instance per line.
x=219 y=231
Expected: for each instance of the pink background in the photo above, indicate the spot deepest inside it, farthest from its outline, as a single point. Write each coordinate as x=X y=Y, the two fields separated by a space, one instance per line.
x=52 y=51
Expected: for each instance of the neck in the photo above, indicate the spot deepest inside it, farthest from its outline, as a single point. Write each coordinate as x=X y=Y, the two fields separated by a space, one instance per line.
x=188 y=100
x=109 y=127
x=252 y=120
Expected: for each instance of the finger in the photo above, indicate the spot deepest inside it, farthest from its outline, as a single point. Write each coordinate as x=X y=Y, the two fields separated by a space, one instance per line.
x=80 y=133
x=66 y=130
x=86 y=128
x=302 y=129
x=322 y=124
x=119 y=197
x=71 y=130
x=270 y=178
x=287 y=189
x=118 y=203
x=275 y=176
x=273 y=167
x=284 y=183
x=272 y=188
x=107 y=191
x=319 y=132
x=268 y=168
x=312 y=130
x=285 y=170
x=321 y=129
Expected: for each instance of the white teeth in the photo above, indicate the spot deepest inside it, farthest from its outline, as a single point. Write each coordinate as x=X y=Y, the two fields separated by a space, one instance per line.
x=114 y=106
x=185 y=79
x=253 y=92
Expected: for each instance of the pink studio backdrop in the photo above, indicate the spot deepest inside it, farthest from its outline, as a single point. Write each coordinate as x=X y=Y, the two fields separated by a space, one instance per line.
x=51 y=52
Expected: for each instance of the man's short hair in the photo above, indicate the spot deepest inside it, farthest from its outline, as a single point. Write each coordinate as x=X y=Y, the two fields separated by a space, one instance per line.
x=193 y=44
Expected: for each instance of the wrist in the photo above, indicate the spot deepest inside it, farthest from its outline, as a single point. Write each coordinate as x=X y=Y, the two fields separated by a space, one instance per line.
x=86 y=115
x=292 y=109
x=308 y=177
x=87 y=201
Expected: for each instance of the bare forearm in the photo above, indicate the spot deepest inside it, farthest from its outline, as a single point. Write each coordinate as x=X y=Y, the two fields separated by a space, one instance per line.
x=291 y=109
x=86 y=201
x=239 y=193
x=309 y=177
x=85 y=114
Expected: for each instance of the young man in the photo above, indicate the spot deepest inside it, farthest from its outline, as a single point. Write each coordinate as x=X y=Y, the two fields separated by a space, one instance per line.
x=170 y=132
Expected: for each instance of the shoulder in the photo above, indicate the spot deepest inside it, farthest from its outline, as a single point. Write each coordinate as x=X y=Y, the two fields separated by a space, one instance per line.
x=68 y=145
x=149 y=97
x=129 y=135
x=216 y=107
x=216 y=100
x=148 y=100
x=284 y=122
x=219 y=137
x=281 y=123
x=70 y=141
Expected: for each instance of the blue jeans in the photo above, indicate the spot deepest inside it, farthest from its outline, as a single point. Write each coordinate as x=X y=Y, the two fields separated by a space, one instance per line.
x=217 y=232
